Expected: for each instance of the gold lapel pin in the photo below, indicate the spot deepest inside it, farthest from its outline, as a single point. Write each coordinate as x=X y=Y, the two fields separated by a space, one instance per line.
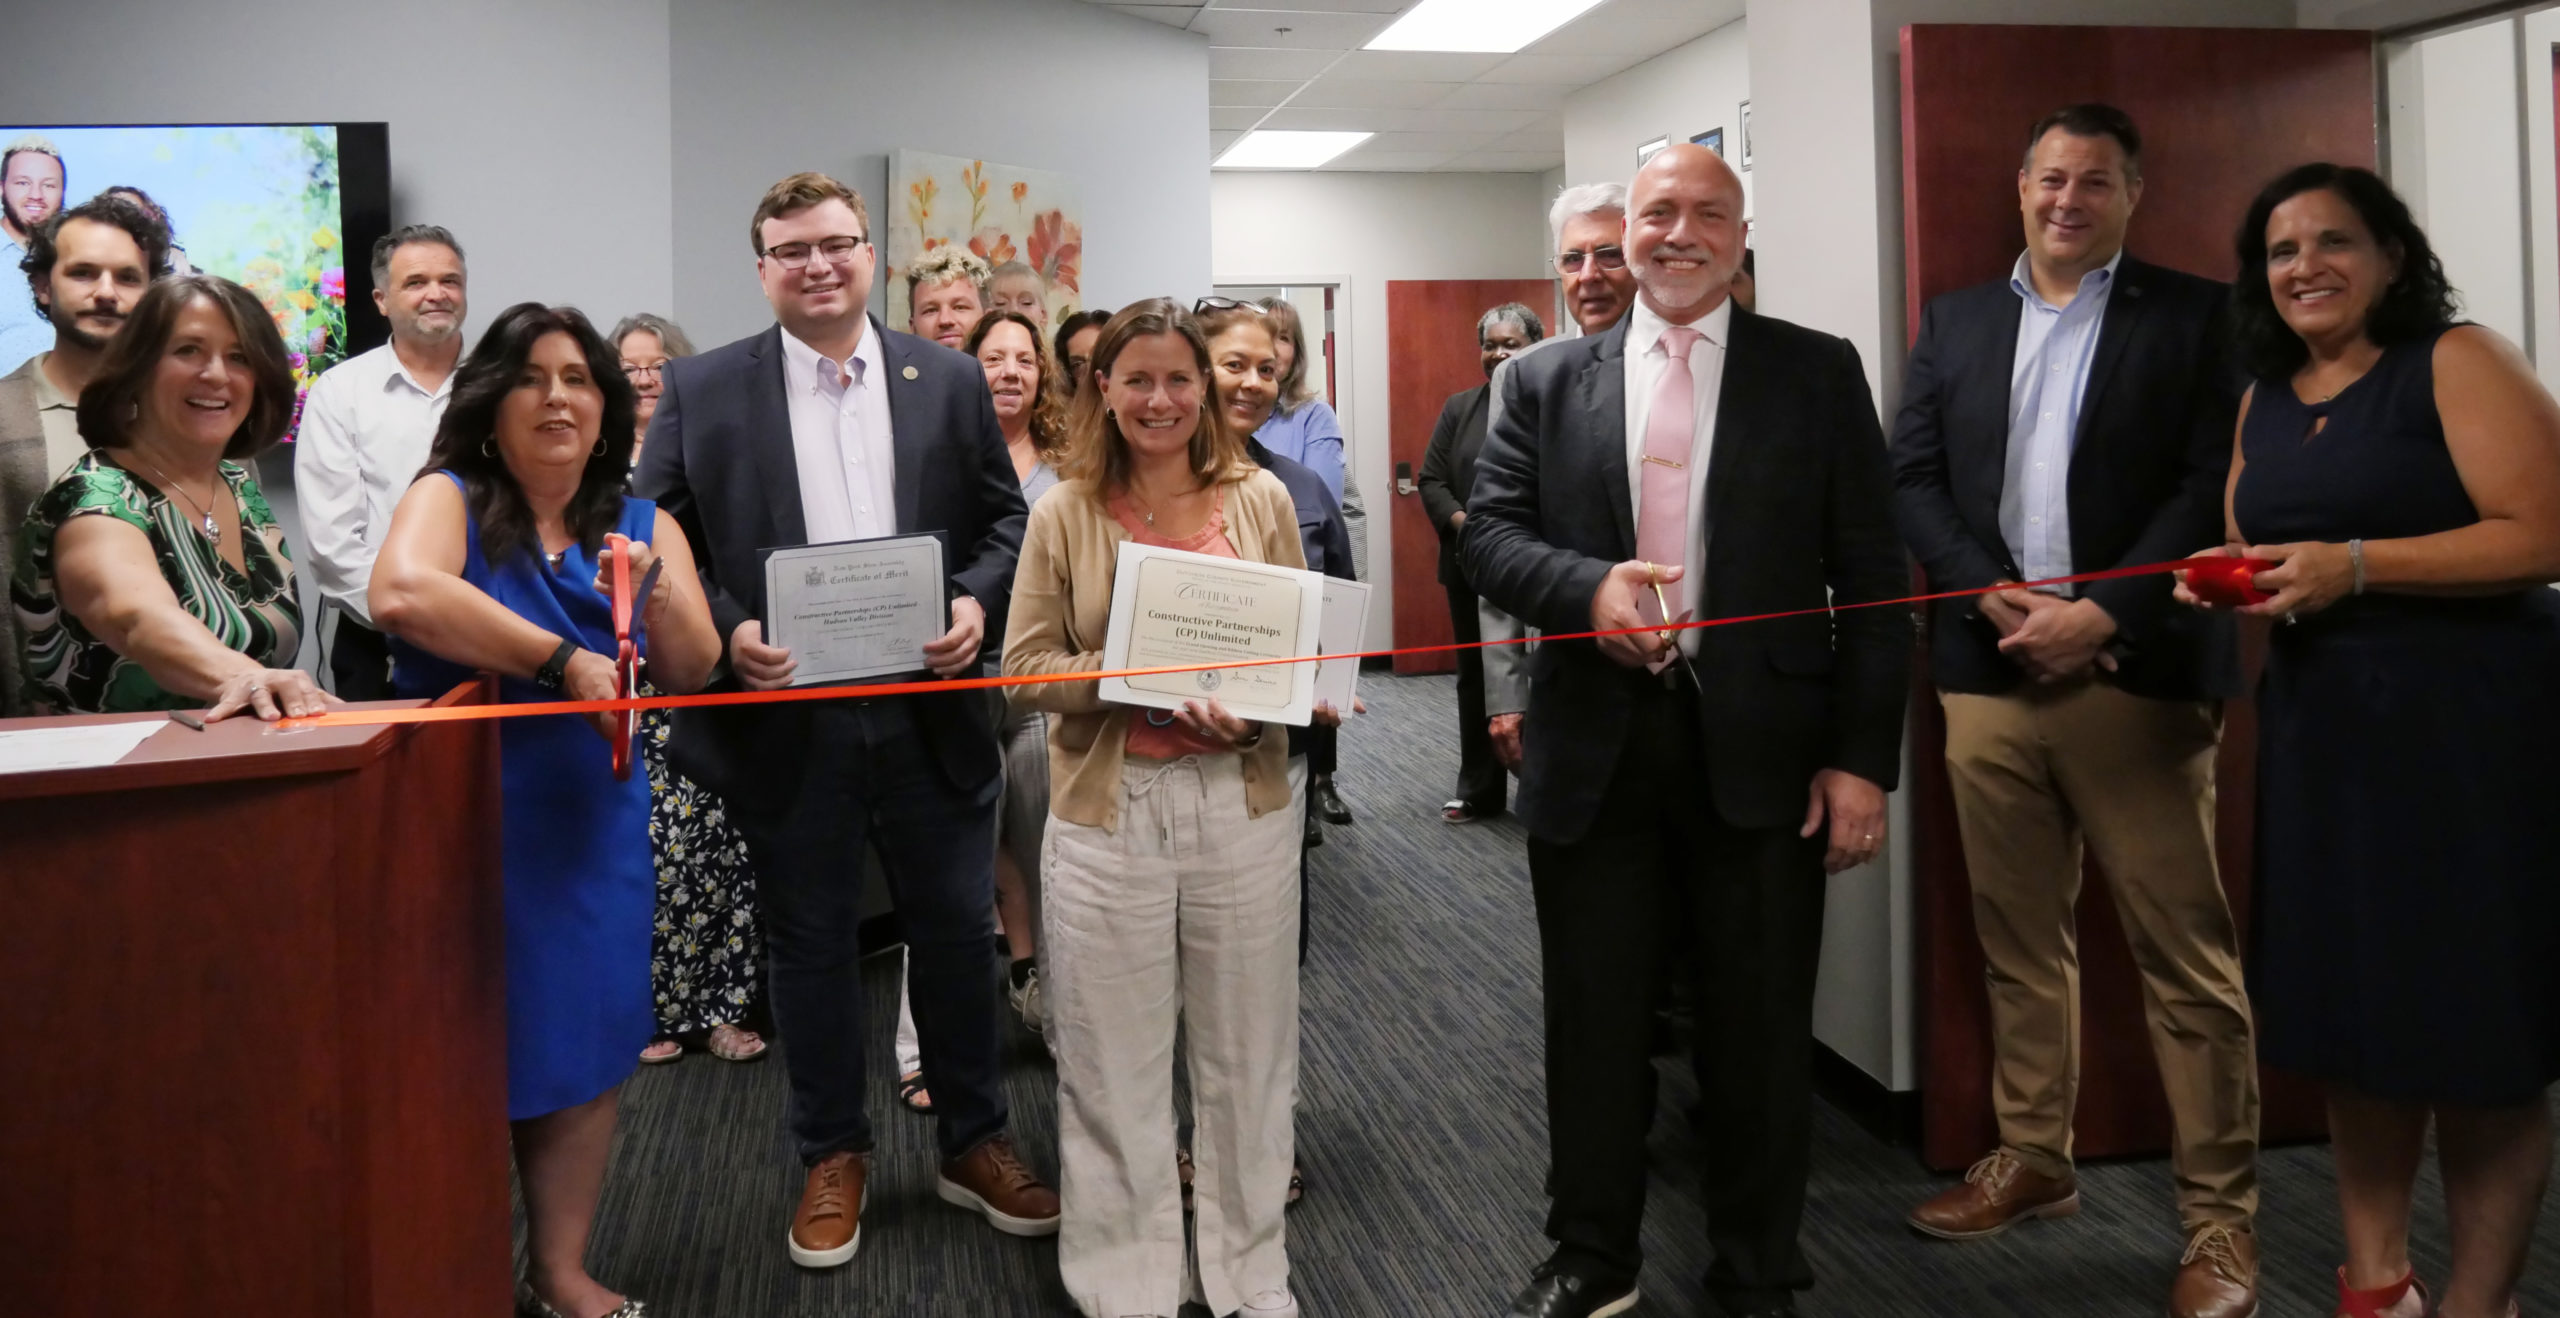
x=910 y=372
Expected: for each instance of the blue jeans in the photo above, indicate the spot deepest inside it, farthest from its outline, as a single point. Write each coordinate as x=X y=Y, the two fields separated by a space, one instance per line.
x=871 y=777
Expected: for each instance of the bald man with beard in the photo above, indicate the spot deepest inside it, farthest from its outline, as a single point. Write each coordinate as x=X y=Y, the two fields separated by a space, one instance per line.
x=1686 y=791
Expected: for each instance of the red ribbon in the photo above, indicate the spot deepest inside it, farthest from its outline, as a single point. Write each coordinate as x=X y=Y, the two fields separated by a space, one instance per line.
x=2226 y=581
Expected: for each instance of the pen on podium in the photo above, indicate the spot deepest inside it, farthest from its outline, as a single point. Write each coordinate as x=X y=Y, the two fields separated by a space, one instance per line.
x=186 y=720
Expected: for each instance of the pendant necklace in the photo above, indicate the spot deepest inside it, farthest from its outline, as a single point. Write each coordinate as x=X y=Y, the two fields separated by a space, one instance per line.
x=211 y=528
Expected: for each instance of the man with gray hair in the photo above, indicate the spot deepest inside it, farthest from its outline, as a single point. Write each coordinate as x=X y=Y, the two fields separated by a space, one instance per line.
x=1448 y=474
x=365 y=431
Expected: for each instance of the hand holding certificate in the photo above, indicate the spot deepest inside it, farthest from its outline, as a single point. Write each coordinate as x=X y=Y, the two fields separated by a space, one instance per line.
x=1171 y=609
x=856 y=609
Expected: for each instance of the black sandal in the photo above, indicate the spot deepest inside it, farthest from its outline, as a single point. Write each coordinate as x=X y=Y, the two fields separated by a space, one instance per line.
x=1297 y=1182
x=913 y=1094
x=1182 y=1168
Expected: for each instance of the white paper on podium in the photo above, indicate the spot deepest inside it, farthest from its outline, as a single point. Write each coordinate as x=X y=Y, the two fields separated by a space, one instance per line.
x=1345 y=631
x=92 y=746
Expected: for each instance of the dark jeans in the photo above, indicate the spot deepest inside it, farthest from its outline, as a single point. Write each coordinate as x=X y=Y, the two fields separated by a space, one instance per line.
x=871 y=777
x=1481 y=781
x=359 y=661
x=1661 y=883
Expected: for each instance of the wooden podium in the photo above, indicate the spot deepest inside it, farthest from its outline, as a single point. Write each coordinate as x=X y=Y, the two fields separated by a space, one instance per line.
x=252 y=1002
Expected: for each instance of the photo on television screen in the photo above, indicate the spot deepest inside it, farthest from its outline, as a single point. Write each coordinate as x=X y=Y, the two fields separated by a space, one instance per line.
x=289 y=211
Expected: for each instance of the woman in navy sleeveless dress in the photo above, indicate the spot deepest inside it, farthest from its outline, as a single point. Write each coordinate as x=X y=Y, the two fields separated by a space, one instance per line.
x=493 y=564
x=2406 y=945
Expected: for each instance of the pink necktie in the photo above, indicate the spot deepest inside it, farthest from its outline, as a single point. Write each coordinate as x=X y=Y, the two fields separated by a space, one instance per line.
x=1662 y=513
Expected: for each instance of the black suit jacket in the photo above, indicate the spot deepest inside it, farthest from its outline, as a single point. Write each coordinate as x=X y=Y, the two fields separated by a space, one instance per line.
x=719 y=460
x=1449 y=471
x=1799 y=516
x=2148 y=464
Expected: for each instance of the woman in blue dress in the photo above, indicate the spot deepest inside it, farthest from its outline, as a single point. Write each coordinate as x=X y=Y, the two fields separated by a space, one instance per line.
x=493 y=564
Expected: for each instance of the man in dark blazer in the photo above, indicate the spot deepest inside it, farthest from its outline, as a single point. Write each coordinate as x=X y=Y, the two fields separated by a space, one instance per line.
x=1691 y=789
x=2073 y=417
x=1448 y=474
x=828 y=427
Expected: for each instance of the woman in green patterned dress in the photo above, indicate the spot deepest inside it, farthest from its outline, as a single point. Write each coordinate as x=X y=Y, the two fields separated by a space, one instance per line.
x=152 y=574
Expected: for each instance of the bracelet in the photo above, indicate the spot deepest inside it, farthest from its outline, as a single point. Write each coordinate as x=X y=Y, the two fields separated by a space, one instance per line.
x=554 y=672
x=1250 y=742
x=2355 y=559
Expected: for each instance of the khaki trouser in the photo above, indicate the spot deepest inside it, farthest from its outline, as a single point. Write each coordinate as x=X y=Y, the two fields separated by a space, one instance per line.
x=2034 y=773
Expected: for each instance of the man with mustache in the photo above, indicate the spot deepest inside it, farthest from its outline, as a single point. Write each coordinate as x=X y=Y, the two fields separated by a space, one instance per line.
x=32 y=178
x=1690 y=462
x=85 y=267
x=366 y=427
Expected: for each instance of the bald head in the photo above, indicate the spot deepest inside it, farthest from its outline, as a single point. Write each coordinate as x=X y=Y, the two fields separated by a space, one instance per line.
x=1684 y=231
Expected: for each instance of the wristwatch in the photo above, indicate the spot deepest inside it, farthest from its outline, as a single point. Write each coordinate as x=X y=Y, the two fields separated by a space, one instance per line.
x=554 y=672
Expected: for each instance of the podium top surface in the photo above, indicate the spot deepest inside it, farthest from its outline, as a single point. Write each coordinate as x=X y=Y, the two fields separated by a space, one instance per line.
x=236 y=748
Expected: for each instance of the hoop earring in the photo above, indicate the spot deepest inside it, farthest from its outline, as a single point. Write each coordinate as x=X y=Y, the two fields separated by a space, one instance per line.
x=487 y=450
x=599 y=448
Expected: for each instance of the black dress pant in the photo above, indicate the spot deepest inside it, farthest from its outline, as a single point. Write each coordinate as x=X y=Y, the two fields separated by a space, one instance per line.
x=359 y=661
x=1661 y=884
x=1481 y=781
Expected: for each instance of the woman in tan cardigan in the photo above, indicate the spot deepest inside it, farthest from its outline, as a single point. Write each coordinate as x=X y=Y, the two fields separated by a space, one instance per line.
x=1171 y=856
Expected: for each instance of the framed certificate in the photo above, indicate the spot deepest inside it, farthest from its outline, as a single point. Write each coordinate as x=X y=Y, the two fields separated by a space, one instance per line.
x=1346 y=628
x=1171 y=608
x=856 y=609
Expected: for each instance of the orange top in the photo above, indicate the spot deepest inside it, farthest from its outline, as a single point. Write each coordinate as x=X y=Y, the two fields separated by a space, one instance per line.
x=1153 y=733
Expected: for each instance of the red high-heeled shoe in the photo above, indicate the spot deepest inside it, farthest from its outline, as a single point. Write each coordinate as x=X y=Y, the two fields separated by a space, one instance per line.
x=2353 y=1303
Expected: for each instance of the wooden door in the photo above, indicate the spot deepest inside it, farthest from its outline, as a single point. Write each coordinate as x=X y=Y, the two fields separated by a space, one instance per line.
x=2221 y=111
x=1431 y=354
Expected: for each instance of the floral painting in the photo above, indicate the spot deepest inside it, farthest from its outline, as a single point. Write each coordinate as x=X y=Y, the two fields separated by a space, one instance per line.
x=1001 y=212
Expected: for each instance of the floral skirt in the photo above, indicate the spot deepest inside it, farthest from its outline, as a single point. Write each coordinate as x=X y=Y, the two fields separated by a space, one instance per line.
x=706 y=954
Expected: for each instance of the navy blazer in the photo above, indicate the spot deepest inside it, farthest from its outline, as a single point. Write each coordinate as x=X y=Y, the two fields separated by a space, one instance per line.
x=1799 y=516
x=719 y=460
x=2148 y=465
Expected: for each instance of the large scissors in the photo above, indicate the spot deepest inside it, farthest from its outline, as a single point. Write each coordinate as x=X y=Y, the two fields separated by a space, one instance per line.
x=626 y=641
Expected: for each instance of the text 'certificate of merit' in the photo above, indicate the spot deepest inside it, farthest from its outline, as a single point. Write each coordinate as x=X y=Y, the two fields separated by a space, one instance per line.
x=1170 y=608
x=857 y=608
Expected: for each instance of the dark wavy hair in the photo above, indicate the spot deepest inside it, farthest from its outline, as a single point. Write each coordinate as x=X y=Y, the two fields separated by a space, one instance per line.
x=112 y=402
x=147 y=230
x=466 y=439
x=1048 y=410
x=2418 y=303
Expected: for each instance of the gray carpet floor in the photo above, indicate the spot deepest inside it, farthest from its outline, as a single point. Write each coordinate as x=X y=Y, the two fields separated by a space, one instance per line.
x=1422 y=1128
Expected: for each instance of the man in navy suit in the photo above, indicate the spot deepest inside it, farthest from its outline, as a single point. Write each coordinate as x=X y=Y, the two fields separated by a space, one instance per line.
x=828 y=427
x=2074 y=416
x=1689 y=791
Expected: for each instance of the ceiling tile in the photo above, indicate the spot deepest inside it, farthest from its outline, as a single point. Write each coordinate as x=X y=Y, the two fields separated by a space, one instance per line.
x=1225 y=118
x=1252 y=62
x=1169 y=15
x=1386 y=161
x=1220 y=141
x=1307 y=31
x=1325 y=6
x=1239 y=91
x=1336 y=92
x=1565 y=70
x=1490 y=122
x=1443 y=142
x=1540 y=96
x=1548 y=137
x=1416 y=65
x=1504 y=162
x=1635 y=37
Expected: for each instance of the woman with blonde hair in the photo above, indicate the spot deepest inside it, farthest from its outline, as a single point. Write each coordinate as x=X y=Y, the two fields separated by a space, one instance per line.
x=1172 y=884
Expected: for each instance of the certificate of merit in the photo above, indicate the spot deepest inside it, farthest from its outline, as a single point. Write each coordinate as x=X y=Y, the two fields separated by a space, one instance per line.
x=1170 y=608
x=856 y=608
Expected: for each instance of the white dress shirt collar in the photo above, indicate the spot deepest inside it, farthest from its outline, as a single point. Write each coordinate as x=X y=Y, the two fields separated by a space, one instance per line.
x=1644 y=329
x=800 y=362
x=2022 y=278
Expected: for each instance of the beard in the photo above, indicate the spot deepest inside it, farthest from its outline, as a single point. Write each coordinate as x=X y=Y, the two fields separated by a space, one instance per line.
x=67 y=327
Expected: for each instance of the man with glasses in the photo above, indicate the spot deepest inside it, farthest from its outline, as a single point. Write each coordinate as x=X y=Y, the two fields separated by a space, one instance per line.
x=828 y=427
x=366 y=427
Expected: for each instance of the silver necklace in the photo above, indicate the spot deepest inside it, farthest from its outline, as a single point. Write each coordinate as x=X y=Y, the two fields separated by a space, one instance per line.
x=211 y=528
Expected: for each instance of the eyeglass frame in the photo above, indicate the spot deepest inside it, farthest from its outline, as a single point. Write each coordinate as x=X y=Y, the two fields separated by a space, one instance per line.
x=816 y=250
x=1208 y=304
x=659 y=368
x=1580 y=257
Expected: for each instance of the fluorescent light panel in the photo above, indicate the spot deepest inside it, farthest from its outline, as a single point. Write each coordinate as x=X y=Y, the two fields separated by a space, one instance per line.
x=1491 y=27
x=1277 y=148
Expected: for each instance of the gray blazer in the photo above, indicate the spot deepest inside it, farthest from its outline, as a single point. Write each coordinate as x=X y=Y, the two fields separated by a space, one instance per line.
x=23 y=479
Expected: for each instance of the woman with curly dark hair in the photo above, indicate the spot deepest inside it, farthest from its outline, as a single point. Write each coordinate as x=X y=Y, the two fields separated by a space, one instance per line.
x=494 y=564
x=2402 y=470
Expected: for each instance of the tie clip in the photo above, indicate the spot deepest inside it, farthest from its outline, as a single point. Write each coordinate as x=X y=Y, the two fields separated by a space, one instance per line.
x=1675 y=466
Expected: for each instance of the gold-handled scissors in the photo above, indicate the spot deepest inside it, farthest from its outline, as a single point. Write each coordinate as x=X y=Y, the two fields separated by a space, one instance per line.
x=1670 y=639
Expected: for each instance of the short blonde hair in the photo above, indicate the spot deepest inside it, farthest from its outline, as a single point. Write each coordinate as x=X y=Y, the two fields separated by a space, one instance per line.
x=798 y=193
x=944 y=264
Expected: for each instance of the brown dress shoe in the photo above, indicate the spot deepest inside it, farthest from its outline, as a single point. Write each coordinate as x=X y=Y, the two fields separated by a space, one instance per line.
x=828 y=1227
x=2218 y=1276
x=1997 y=1194
x=991 y=1181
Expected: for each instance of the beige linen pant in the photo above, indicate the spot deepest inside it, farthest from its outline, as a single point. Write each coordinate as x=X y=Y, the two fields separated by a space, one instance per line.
x=2035 y=773
x=1188 y=914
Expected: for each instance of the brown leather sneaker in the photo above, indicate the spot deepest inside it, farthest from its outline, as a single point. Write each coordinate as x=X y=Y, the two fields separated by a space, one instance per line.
x=2218 y=1277
x=991 y=1181
x=1997 y=1194
x=828 y=1227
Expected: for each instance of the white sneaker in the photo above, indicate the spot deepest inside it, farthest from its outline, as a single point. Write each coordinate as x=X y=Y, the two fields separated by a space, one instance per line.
x=1270 y=1304
x=1030 y=1003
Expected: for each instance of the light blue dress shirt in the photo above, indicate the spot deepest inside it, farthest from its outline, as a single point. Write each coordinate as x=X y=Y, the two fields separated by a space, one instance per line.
x=2048 y=378
x=1311 y=435
x=24 y=331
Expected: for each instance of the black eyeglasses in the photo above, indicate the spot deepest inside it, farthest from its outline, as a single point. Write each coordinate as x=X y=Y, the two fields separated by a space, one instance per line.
x=795 y=256
x=1608 y=258
x=1208 y=304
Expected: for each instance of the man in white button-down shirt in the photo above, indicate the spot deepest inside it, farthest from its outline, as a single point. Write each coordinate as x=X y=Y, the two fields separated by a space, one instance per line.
x=365 y=431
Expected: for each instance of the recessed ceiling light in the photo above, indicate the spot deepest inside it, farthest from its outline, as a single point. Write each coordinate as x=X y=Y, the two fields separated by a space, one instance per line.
x=1277 y=148
x=1494 y=27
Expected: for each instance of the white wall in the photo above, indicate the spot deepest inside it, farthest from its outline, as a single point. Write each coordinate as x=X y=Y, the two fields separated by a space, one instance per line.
x=2466 y=182
x=537 y=130
x=1684 y=91
x=766 y=87
x=1361 y=230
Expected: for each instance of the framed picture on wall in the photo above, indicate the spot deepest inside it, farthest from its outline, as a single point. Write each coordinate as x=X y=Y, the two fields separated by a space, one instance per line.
x=1712 y=139
x=1746 y=134
x=1647 y=151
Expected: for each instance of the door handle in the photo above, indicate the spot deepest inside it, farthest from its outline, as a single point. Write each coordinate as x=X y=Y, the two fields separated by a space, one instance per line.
x=1404 y=478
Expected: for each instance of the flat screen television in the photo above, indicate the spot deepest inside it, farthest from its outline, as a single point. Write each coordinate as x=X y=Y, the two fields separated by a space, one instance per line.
x=289 y=211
